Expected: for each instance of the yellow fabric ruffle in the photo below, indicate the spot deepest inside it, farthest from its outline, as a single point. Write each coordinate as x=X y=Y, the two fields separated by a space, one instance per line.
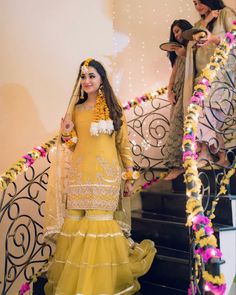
x=93 y=257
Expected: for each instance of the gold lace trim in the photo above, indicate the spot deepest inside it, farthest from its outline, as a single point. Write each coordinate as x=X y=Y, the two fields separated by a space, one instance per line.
x=91 y=217
x=91 y=235
x=100 y=217
x=92 y=203
x=119 y=293
x=74 y=217
x=86 y=264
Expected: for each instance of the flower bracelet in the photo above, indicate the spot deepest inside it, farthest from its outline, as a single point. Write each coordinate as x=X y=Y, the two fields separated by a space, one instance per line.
x=130 y=175
x=70 y=139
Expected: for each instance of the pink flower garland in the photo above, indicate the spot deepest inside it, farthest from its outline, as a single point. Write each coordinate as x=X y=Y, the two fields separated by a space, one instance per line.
x=190 y=290
x=200 y=221
x=42 y=151
x=149 y=183
x=144 y=98
x=25 y=162
x=29 y=160
x=215 y=289
x=209 y=253
x=24 y=288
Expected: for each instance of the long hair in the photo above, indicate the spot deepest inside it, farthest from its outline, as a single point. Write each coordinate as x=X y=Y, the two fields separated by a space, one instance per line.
x=184 y=25
x=111 y=100
x=213 y=5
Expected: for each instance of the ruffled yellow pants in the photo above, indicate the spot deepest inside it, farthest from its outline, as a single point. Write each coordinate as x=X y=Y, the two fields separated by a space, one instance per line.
x=94 y=258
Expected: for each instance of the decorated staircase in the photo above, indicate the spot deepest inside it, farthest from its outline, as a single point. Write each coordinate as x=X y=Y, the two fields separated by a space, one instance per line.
x=162 y=219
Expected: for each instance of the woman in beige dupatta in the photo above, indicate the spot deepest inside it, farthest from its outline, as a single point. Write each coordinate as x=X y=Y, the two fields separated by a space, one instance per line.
x=173 y=146
x=216 y=19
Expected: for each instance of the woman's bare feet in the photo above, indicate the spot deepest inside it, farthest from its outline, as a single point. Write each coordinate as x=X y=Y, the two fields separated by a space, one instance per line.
x=223 y=163
x=175 y=172
x=204 y=158
x=203 y=161
x=223 y=160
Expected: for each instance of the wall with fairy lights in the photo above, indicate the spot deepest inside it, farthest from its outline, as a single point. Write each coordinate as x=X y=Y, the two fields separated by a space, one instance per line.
x=139 y=28
x=139 y=65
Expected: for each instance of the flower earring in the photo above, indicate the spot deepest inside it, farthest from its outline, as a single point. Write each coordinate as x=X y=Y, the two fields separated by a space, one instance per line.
x=101 y=91
x=81 y=93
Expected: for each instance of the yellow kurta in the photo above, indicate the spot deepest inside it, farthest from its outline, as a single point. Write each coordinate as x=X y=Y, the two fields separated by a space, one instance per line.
x=93 y=257
x=95 y=176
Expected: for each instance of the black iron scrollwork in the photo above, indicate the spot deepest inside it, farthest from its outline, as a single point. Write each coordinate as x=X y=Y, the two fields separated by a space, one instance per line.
x=21 y=213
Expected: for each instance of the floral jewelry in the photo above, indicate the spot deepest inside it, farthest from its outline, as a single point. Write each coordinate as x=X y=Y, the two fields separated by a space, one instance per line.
x=69 y=139
x=81 y=93
x=102 y=122
x=86 y=64
x=130 y=175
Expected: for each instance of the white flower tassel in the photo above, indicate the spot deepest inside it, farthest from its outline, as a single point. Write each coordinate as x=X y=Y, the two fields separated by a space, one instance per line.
x=94 y=129
x=102 y=127
x=110 y=126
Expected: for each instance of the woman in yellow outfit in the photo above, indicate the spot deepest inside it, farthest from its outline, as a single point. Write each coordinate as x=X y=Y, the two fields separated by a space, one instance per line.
x=85 y=210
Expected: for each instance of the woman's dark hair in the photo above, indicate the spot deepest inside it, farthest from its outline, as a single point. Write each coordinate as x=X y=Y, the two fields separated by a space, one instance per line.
x=183 y=25
x=111 y=100
x=213 y=5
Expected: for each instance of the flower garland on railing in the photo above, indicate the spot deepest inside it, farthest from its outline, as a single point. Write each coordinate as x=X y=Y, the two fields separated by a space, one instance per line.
x=25 y=162
x=205 y=241
x=222 y=191
x=144 y=98
x=149 y=183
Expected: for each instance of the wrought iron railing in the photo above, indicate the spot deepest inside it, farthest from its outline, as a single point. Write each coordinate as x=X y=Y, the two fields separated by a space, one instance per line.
x=21 y=214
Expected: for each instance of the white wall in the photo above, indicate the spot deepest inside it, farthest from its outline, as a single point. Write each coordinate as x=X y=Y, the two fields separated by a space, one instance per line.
x=42 y=44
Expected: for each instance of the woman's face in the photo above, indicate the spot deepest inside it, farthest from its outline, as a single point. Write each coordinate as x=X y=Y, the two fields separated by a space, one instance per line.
x=177 y=31
x=202 y=9
x=90 y=80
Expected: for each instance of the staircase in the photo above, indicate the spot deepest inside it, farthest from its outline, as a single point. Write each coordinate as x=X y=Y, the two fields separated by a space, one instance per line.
x=162 y=219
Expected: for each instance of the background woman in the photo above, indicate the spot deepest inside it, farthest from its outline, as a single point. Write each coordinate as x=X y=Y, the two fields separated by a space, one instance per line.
x=173 y=147
x=83 y=205
x=216 y=19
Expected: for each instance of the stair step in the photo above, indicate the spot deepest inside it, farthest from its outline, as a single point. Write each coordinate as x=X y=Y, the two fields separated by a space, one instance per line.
x=166 y=233
x=148 y=288
x=161 y=271
x=173 y=204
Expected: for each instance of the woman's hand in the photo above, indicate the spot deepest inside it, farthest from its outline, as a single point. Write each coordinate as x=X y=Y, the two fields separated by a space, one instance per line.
x=171 y=97
x=180 y=51
x=210 y=39
x=66 y=124
x=128 y=189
